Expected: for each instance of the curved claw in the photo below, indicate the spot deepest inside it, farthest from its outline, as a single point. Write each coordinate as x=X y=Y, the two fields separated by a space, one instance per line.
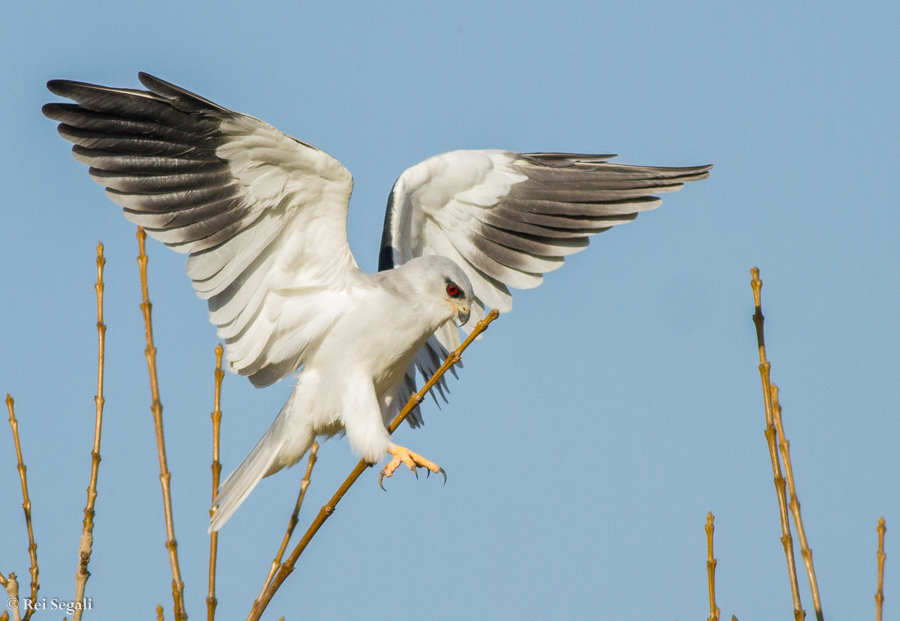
x=401 y=455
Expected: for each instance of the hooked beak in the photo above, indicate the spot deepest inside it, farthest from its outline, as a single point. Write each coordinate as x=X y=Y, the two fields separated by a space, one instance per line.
x=462 y=313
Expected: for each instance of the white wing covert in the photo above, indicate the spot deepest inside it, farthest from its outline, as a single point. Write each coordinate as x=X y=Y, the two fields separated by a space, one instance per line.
x=508 y=218
x=262 y=215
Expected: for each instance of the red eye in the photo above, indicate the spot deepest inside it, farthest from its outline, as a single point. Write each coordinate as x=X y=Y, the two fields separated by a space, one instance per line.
x=452 y=290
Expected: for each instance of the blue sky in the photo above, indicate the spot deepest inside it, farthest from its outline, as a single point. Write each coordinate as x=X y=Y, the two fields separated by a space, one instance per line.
x=596 y=424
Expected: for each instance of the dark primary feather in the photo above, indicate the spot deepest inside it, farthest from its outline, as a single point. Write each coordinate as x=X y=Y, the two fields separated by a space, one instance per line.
x=161 y=184
x=524 y=203
x=135 y=145
x=85 y=118
x=155 y=152
x=180 y=98
x=575 y=221
x=386 y=254
x=540 y=246
x=178 y=200
x=496 y=218
x=132 y=104
x=566 y=159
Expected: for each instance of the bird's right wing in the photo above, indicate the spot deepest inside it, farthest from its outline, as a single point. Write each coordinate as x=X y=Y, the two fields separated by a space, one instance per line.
x=508 y=218
x=262 y=214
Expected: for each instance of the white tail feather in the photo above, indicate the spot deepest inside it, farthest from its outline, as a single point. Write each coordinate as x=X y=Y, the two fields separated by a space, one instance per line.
x=272 y=453
x=241 y=482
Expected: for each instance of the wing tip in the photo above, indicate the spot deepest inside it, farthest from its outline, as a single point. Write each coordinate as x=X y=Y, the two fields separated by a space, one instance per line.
x=52 y=110
x=177 y=96
x=554 y=158
x=154 y=84
x=702 y=172
x=64 y=88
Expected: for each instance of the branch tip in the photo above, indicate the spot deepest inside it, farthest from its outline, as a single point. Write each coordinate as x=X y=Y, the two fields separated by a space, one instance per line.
x=85 y=545
x=156 y=409
x=771 y=439
x=26 y=508
x=711 y=567
x=756 y=283
x=879 y=593
x=211 y=601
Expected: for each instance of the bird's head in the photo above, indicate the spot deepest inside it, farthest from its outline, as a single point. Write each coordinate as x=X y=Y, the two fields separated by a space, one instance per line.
x=444 y=282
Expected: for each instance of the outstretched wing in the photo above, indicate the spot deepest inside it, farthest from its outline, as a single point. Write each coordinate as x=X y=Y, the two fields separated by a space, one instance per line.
x=263 y=215
x=508 y=218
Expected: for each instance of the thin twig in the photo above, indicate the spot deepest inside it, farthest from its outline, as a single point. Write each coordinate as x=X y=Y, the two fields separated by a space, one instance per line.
x=11 y=585
x=711 y=568
x=879 y=594
x=160 y=616
x=211 y=601
x=4 y=582
x=156 y=409
x=295 y=517
x=85 y=547
x=325 y=512
x=771 y=433
x=26 y=507
x=805 y=551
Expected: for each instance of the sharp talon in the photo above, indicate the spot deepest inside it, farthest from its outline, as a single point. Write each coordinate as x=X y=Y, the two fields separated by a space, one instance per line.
x=380 y=477
x=427 y=473
x=413 y=461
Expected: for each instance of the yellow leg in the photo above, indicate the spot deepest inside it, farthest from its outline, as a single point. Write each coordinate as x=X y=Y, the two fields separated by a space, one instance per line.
x=402 y=455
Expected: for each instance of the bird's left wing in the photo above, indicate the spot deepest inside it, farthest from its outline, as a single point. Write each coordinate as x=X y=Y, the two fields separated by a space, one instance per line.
x=507 y=218
x=263 y=215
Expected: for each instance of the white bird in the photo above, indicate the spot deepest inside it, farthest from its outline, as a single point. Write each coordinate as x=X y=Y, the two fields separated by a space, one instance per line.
x=263 y=217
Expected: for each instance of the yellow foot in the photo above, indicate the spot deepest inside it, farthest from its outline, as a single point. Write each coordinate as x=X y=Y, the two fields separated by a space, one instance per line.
x=402 y=455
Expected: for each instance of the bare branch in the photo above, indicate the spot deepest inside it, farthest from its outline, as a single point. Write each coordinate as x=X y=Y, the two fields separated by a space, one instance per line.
x=764 y=372
x=211 y=601
x=85 y=547
x=292 y=523
x=325 y=512
x=156 y=409
x=785 y=448
x=879 y=594
x=26 y=507
x=711 y=568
